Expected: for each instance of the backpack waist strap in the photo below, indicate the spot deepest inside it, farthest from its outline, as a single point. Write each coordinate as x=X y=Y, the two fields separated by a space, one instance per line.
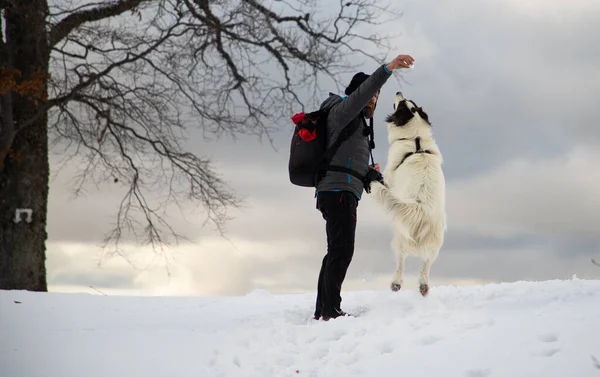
x=343 y=169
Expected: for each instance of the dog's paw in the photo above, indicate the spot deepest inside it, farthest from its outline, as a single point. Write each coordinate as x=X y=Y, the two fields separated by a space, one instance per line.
x=395 y=286
x=424 y=289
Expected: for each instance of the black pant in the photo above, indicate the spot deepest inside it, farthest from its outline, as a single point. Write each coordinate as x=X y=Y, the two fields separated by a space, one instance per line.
x=339 y=212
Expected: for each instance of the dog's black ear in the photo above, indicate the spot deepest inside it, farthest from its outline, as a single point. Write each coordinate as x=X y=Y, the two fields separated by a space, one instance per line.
x=423 y=115
x=401 y=116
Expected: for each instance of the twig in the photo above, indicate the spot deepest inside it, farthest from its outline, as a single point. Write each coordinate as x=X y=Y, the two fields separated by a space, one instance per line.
x=98 y=291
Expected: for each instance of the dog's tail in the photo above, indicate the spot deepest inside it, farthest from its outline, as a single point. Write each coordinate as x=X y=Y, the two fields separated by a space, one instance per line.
x=405 y=212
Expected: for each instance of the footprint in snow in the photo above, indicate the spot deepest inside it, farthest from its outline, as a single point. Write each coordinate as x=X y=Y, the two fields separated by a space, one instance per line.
x=548 y=338
x=247 y=343
x=319 y=352
x=350 y=347
x=336 y=334
x=360 y=311
x=478 y=373
x=359 y=331
x=214 y=359
x=477 y=325
x=429 y=340
x=386 y=347
x=311 y=339
x=420 y=324
x=549 y=352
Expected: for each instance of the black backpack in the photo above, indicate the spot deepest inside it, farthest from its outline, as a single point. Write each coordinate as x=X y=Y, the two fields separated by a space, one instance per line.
x=309 y=156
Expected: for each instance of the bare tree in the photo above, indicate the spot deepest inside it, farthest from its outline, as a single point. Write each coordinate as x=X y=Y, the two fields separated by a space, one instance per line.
x=113 y=85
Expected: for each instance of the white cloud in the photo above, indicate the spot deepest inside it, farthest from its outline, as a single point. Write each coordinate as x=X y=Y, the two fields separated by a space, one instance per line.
x=217 y=267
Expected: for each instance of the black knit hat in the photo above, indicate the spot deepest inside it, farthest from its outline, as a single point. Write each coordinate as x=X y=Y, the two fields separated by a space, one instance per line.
x=358 y=79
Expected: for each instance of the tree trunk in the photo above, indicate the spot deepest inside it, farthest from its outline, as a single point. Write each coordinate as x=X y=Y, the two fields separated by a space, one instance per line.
x=25 y=175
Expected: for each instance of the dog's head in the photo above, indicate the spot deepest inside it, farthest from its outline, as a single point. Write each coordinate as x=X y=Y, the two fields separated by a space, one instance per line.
x=406 y=111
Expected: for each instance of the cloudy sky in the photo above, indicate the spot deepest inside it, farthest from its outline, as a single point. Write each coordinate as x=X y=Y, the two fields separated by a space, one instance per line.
x=511 y=87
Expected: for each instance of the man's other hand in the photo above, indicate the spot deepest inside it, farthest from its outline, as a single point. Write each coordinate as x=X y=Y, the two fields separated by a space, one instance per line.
x=400 y=61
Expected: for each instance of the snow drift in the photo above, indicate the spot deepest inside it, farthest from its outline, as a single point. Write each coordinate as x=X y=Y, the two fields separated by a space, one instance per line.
x=526 y=329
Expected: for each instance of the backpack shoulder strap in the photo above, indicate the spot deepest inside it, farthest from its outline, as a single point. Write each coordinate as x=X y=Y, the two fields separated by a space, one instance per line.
x=370 y=131
x=324 y=165
x=346 y=132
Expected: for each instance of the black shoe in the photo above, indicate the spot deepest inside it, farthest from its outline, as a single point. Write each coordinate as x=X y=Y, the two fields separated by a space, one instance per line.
x=336 y=313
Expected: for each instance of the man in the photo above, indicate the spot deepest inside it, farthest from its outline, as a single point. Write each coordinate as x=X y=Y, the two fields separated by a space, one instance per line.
x=338 y=193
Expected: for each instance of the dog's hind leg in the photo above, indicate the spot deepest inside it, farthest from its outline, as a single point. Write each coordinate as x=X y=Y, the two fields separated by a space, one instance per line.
x=397 y=282
x=429 y=257
x=424 y=277
x=400 y=257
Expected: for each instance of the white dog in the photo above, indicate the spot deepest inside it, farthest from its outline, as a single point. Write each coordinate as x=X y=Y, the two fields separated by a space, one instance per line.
x=413 y=189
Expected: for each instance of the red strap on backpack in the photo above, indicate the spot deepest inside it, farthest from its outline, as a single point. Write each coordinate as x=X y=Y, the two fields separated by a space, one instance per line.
x=298 y=118
x=306 y=135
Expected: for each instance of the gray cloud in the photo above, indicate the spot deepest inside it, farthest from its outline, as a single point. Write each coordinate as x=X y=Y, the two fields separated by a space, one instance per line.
x=510 y=92
x=489 y=92
x=470 y=242
x=513 y=265
x=553 y=197
x=497 y=86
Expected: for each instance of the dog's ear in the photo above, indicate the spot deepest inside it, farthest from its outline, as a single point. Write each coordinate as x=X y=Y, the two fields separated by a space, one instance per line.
x=423 y=115
x=401 y=116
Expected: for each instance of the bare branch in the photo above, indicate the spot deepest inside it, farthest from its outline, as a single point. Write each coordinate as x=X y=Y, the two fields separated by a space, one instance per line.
x=76 y=19
x=123 y=93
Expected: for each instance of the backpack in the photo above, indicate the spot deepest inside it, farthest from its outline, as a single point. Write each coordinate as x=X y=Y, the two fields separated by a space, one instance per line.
x=309 y=157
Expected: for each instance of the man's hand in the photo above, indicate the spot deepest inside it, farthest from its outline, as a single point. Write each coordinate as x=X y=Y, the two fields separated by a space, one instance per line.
x=400 y=61
x=373 y=174
x=376 y=167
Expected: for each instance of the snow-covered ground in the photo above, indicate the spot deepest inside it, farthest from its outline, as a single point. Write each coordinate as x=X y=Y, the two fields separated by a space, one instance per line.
x=523 y=329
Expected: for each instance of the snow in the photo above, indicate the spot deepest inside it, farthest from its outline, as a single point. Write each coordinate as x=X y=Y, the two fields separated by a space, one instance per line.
x=549 y=328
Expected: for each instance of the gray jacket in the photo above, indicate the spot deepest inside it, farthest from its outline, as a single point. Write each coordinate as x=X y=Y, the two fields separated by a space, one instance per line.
x=354 y=152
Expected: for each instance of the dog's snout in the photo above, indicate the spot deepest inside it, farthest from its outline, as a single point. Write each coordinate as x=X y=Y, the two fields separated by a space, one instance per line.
x=398 y=93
